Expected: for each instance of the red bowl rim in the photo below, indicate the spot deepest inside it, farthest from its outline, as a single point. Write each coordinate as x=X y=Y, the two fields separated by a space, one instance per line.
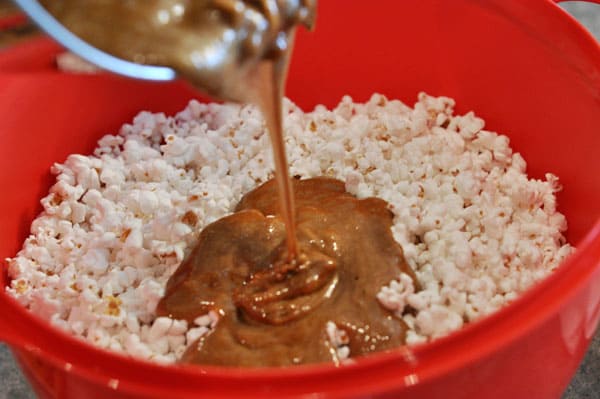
x=425 y=362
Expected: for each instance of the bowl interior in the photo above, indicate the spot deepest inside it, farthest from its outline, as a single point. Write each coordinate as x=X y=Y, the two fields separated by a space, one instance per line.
x=527 y=69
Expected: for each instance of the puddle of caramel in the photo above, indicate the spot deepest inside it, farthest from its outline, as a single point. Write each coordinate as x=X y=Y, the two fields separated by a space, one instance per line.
x=273 y=311
x=275 y=280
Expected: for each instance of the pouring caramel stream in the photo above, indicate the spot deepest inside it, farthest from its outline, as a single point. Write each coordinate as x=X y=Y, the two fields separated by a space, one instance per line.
x=236 y=50
x=276 y=272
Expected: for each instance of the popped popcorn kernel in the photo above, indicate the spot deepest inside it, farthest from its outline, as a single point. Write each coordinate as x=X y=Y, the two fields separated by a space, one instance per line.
x=116 y=224
x=113 y=305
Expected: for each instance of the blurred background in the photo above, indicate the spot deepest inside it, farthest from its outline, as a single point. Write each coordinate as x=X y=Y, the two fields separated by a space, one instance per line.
x=585 y=384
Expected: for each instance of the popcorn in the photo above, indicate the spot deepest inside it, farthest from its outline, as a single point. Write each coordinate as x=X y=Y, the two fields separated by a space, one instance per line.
x=96 y=260
x=116 y=224
x=437 y=321
x=136 y=348
x=159 y=328
x=338 y=339
x=394 y=296
x=98 y=336
x=193 y=334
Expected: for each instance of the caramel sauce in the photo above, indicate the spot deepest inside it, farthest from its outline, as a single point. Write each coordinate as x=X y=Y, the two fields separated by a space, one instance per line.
x=273 y=312
x=276 y=272
x=236 y=50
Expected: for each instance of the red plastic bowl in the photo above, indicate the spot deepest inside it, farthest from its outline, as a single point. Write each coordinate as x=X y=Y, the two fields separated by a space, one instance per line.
x=525 y=66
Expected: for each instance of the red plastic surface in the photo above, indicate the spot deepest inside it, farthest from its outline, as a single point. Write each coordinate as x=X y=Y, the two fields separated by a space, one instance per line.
x=525 y=66
x=12 y=21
